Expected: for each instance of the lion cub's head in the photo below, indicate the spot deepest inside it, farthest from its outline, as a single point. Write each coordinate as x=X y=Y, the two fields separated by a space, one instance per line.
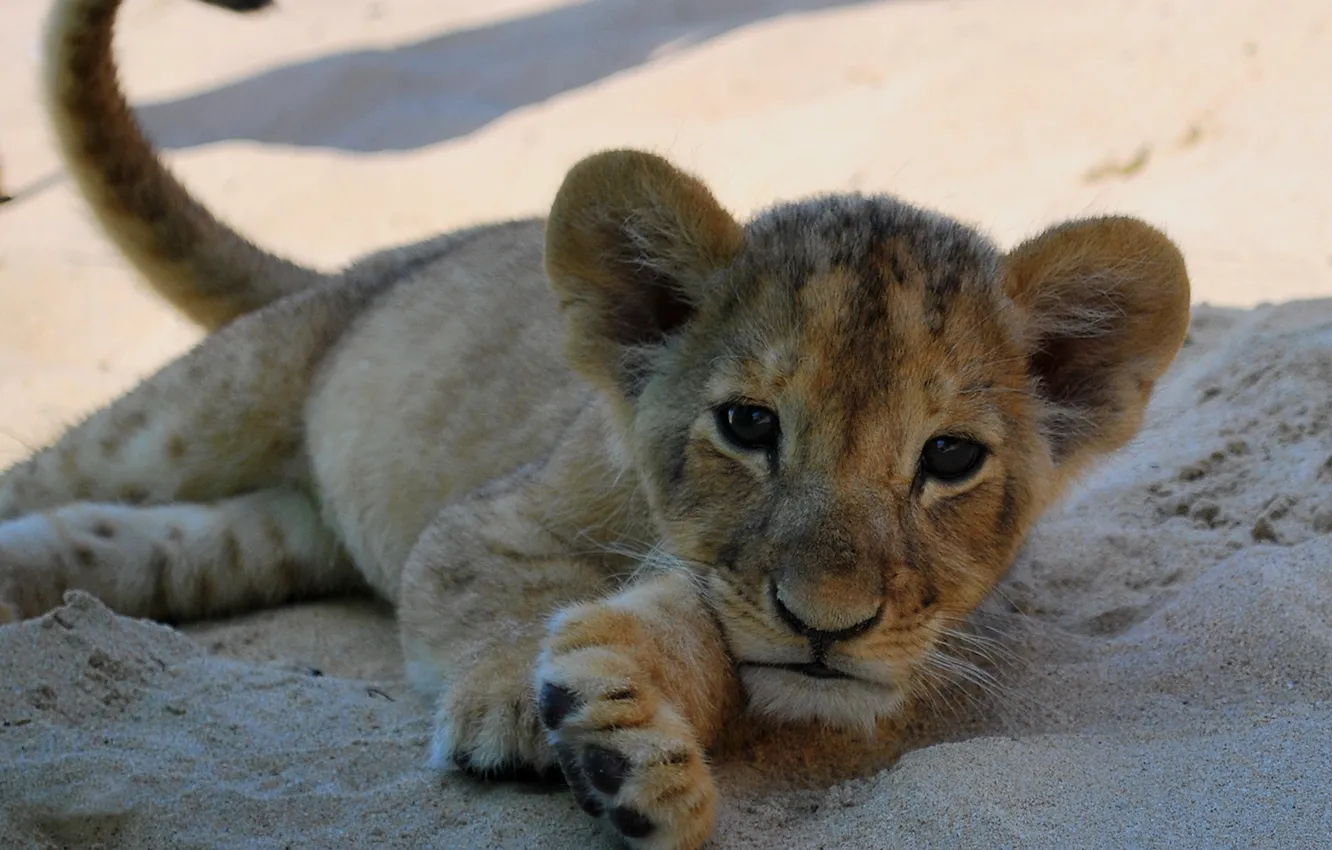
x=847 y=413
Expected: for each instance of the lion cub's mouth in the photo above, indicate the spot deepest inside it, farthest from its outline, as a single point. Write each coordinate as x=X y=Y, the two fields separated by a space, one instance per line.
x=815 y=691
x=812 y=669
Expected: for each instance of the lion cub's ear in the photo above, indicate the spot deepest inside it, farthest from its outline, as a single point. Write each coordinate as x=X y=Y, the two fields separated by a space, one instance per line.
x=1106 y=302
x=630 y=247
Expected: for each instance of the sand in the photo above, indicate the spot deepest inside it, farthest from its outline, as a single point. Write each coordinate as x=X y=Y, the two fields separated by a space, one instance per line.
x=1163 y=647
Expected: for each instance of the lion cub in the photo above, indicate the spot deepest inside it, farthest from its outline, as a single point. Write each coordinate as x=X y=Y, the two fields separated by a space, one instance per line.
x=624 y=473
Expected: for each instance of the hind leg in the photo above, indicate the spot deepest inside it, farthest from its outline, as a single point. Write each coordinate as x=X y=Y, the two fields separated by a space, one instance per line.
x=186 y=496
x=224 y=419
x=185 y=434
x=176 y=562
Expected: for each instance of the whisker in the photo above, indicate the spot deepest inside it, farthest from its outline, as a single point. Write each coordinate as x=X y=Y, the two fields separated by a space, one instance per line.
x=990 y=690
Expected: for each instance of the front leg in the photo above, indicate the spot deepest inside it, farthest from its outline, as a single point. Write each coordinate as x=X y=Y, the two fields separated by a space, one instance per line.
x=632 y=690
x=476 y=594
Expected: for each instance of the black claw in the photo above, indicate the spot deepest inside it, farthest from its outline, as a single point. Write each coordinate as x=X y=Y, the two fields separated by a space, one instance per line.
x=509 y=771
x=630 y=823
x=578 y=784
x=555 y=704
x=606 y=769
x=551 y=774
x=589 y=803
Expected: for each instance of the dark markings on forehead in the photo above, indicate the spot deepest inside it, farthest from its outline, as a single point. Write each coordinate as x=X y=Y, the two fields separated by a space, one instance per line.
x=872 y=252
x=878 y=238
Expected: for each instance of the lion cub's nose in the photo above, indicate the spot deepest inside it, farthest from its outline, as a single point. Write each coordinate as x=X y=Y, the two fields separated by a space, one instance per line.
x=808 y=626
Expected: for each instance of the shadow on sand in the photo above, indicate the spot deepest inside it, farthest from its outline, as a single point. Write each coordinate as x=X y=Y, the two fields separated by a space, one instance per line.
x=449 y=85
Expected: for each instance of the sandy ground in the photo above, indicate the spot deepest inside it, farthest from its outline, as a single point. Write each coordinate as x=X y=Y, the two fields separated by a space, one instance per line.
x=1166 y=639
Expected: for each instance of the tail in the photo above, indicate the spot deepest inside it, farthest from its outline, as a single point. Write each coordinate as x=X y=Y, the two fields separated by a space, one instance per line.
x=207 y=270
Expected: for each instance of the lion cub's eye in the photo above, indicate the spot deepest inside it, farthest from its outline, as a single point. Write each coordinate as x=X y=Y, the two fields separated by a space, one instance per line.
x=951 y=459
x=748 y=425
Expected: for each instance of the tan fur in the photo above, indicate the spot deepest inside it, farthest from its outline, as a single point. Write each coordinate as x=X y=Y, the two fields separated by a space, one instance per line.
x=529 y=462
x=203 y=267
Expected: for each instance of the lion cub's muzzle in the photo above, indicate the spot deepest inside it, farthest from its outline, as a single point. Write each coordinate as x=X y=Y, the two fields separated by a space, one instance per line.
x=798 y=671
x=818 y=637
x=821 y=641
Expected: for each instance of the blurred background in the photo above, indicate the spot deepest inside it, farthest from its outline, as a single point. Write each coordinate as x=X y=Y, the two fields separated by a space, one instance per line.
x=326 y=128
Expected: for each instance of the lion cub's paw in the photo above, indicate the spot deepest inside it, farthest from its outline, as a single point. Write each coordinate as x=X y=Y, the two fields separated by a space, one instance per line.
x=488 y=726
x=627 y=754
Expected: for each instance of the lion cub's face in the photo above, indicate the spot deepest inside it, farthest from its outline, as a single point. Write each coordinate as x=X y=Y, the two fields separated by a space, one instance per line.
x=845 y=442
x=847 y=414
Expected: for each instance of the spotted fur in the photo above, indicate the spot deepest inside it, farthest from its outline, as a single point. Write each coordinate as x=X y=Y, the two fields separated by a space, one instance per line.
x=513 y=434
